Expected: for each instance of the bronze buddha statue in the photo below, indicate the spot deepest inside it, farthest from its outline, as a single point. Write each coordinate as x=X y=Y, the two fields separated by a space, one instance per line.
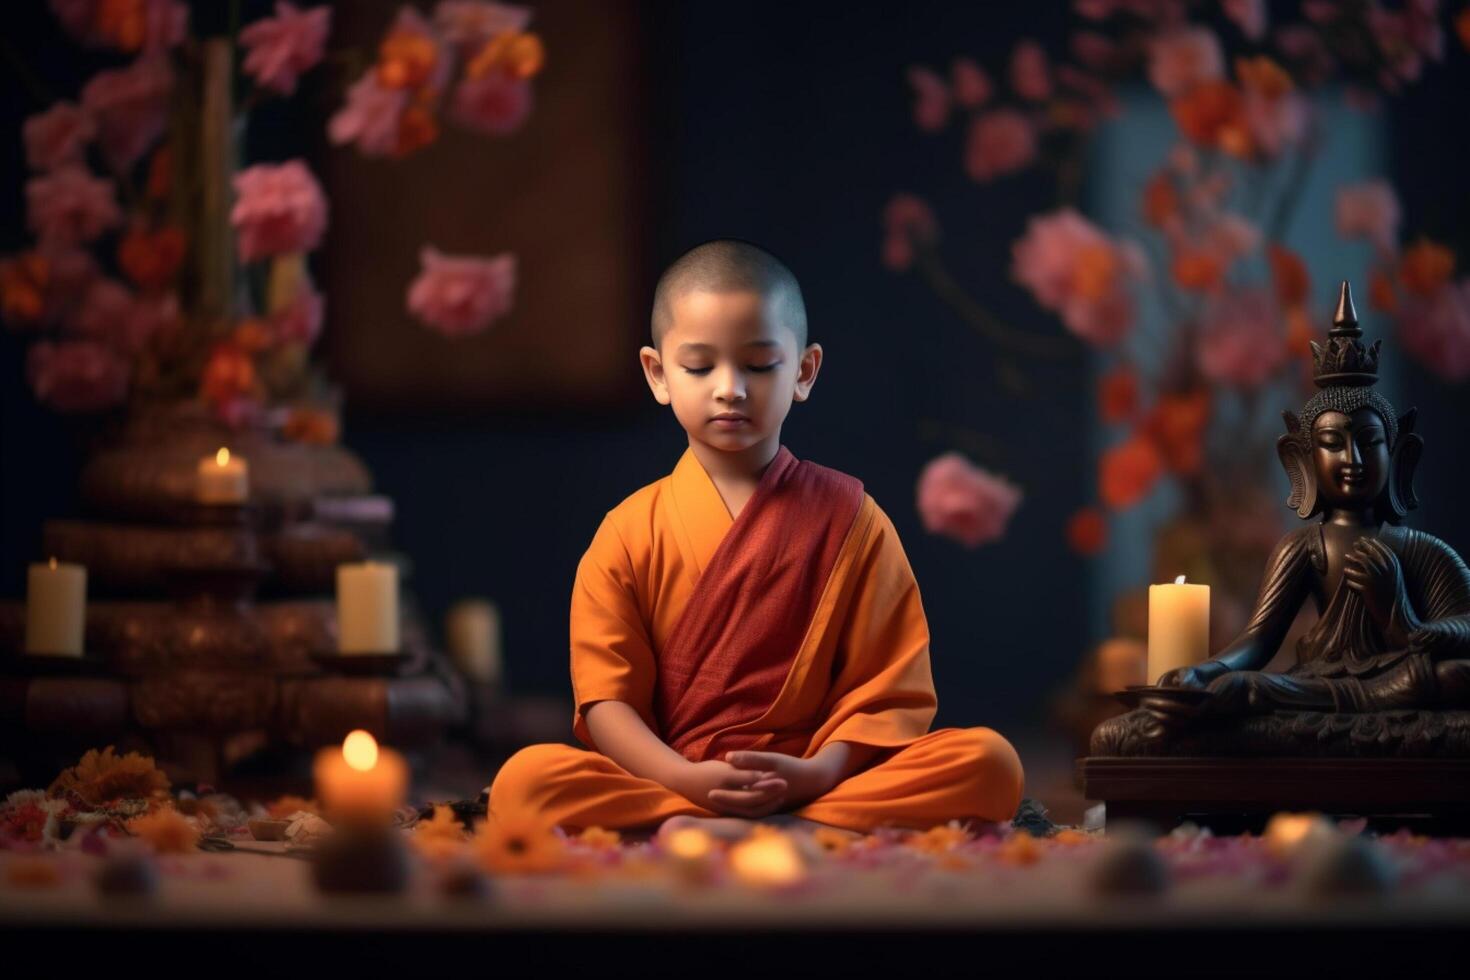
x=1393 y=633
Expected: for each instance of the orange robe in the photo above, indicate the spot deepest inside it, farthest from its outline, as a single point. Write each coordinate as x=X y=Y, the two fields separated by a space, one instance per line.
x=859 y=672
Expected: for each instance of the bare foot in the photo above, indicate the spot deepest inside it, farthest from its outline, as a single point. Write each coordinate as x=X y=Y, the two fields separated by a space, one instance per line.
x=801 y=825
x=720 y=828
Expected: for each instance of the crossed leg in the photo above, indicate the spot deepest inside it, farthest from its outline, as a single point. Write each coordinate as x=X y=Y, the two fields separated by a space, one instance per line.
x=950 y=774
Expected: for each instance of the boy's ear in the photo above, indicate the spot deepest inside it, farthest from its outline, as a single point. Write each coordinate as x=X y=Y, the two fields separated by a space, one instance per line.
x=653 y=373
x=806 y=371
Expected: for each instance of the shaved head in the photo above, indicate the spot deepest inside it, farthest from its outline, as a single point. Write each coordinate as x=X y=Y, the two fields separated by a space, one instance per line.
x=728 y=265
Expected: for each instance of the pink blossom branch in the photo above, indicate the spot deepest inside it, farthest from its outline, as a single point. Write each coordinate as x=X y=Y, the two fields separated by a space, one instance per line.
x=981 y=320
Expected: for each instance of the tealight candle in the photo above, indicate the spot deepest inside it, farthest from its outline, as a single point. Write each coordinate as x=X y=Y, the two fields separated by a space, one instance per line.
x=360 y=782
x=1178 y=626
x=691 y=853
x=472 y=631
x=222 y=479
x=367 y=608
x=1288 y=834
x=56 y=609
x=767 y=861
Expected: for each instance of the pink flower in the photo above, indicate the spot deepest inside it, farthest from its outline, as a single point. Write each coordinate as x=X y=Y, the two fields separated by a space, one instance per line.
x=300 y=322
x=76 y=376
x=1072 y=268
x=149 y=26
x=931 y=99
x=282 y=47
x=1094 y=9
x=131 y=107
x=459 y=295
x=1436 y=330
x=70 y=206
x=71 y=271
x=109 y=313
x=495 y=103
x=1275 y=123
x=961 y=501
x=1231 y=236
x=57 y=136
x=468 y=24
x=1369 y=210
x=370 y=117
x=278 y=208
x=1242 y=341
x=1248 y=15
x=1030 y=73
x=1095 y=50
x=972 y=87
x=1001 y=141
x=907 y=220
x=1181 y=59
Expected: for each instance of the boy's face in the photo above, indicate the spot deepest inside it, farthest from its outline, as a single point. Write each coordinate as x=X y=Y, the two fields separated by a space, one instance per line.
x=728 y=370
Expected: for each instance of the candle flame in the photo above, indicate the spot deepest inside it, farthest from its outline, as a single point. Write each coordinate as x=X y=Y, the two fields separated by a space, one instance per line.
x=1179 y=580
x=222 y=457
x=53 y=563
x=360 y=750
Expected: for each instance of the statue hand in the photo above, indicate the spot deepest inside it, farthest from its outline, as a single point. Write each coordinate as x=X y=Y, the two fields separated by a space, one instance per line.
x=1194 y=676
x=1374 y=573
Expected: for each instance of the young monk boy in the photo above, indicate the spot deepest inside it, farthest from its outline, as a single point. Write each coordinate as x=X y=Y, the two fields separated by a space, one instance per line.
x=747 y=639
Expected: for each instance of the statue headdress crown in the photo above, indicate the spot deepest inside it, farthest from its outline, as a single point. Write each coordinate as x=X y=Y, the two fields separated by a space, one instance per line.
x=1344 y=359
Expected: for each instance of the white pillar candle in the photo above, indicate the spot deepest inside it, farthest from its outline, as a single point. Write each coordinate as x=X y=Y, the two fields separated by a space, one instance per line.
x=367 y=608
x=472 y=630
x=1178 y=626
x=222 y=479
x=56 y=608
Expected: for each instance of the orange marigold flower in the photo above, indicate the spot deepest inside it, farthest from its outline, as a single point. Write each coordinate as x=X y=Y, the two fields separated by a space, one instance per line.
x=1299 y=332
x=312 y=426
x=1160 y=199
x=1198 y=270
x=151 y=259
x=519 y=843
x=518 y=55
x=1095 y=275
x=228 y=373
x=1087 y=532
x=1071 y=837
x=938 y=840
x=160 y=173
x=599 y=839
x=101 y=777
x=166 y=830
x=253 y=335
x=122 y=22
x=1020 y=848
x=406 y=59
x=1129 y=471
x=417 y=128
x=1381 y=293
x=1211 y=114
x=1177 y=427
x=1117 y=395
x=1462 y=27
x=1426 y=266
x=23 y=281
x=1288 y=276
x=1263 y=76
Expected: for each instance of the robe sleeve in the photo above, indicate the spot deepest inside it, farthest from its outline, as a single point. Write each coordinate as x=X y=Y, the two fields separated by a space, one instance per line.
x=612 y=655
x=882 y=689
x=1439 y=587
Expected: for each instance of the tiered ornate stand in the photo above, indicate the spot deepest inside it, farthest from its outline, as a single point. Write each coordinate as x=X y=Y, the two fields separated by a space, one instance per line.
x=203 y=622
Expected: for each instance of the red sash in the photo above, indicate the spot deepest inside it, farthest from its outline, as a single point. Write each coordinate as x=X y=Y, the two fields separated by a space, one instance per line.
x=728 y=655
